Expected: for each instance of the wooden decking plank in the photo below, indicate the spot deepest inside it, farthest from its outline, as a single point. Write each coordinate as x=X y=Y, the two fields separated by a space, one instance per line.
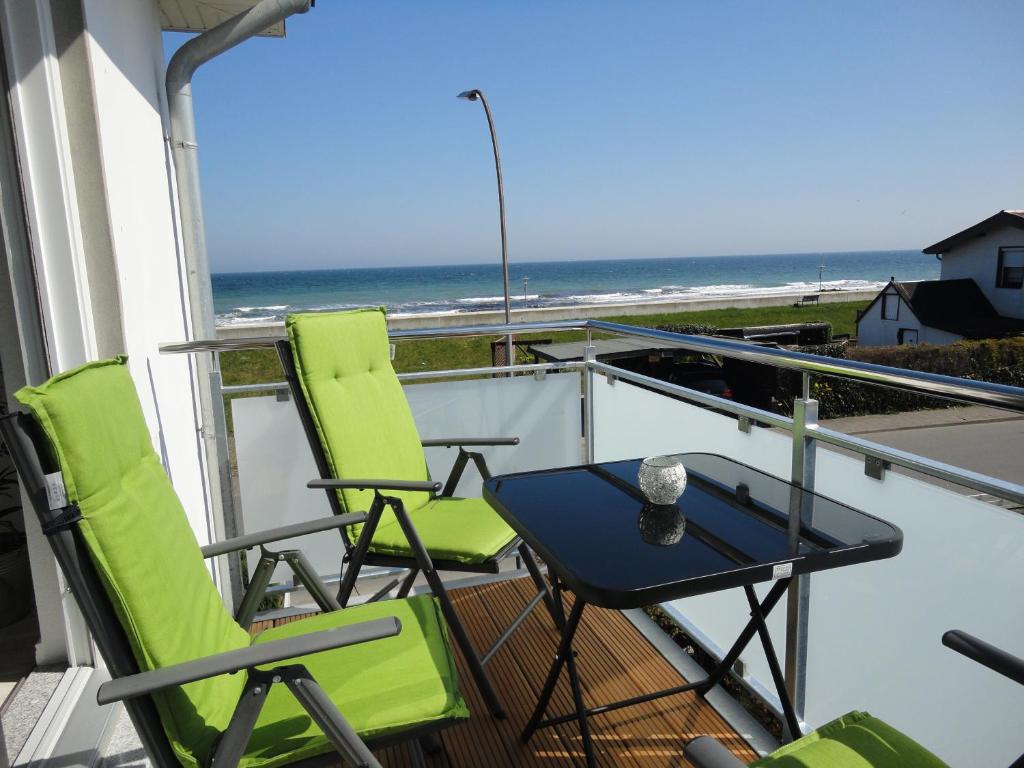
x=623 y=732
x=483 y=739
x=519 y=688
x=688 y=713
x=603 y=732
x=534 y=648
x=615 y=662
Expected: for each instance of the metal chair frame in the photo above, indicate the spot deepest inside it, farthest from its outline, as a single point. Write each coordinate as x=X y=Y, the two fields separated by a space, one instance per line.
x=34 y=461
x=358 y=554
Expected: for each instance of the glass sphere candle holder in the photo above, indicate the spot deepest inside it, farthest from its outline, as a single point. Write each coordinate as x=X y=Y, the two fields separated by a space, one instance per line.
x=661 y=524
x=662 y=479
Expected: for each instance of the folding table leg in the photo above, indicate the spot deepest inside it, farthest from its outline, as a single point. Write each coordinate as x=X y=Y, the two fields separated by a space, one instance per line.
x=563 y=653
x=773 y=663
x=538 y=580
x=769 y=602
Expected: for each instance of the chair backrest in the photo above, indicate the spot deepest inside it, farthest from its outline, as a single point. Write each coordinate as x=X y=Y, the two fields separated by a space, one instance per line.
x=361 y=423
x=33 y=459
x=140 y=546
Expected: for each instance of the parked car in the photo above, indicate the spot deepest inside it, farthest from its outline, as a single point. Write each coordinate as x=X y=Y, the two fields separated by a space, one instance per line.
x=701 y=372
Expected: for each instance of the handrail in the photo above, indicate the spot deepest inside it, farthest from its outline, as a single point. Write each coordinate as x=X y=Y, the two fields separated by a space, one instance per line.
x=921 y=382
x=994 y=486
x=262 y=342
x=451 y=373
x=950 y=387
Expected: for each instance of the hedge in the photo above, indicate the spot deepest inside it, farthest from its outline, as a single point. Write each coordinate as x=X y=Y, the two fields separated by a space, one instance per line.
x=996 y=360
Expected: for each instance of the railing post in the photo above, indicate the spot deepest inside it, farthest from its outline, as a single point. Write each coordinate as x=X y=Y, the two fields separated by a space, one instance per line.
x=234 y=587
x=805 y=418
x=589 y=356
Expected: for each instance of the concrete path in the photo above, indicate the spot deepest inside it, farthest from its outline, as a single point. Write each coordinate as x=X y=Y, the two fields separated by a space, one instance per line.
x=980 y=439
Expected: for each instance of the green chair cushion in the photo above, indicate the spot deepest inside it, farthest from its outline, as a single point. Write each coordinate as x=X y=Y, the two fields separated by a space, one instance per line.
x=141 y=543
x=464 y=530
x=380 y=687
x=366 y=430
x=855 y=740
x=360 y=412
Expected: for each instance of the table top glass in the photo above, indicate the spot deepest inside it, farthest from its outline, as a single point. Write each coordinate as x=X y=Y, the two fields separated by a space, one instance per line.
x=593 y=527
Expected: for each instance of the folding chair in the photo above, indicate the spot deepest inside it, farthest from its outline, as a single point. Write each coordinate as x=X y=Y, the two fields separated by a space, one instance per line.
x=358 y=424
x=348 y=681
x=858 y=740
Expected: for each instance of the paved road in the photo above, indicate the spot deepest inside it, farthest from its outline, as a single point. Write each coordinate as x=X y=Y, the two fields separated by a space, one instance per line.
x=979 y=439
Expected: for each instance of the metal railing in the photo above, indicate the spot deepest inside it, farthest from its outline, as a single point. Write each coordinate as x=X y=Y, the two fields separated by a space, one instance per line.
x=920 y=382
x=803 y=427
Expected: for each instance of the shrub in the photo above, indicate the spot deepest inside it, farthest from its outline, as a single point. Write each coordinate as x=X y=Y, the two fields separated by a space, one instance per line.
x=690 y=329
x=1000 y=361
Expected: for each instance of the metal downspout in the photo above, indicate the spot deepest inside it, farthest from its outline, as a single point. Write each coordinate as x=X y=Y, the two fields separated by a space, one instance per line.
x=184 y=153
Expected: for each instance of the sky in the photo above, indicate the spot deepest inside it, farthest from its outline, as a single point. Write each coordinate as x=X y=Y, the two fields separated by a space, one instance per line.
x=627 y=129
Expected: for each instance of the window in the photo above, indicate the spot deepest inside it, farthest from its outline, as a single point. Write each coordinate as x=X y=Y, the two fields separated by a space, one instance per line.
x=890 y=305
x=907 y=336
x=1010 y=273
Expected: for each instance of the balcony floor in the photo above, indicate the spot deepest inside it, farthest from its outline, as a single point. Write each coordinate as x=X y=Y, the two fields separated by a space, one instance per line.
x=615 y=662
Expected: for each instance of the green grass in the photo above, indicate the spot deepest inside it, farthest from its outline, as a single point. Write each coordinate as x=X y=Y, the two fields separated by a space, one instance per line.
x=261 y=365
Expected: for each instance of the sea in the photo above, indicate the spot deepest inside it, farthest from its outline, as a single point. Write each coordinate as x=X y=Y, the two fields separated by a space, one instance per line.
x=260 y=297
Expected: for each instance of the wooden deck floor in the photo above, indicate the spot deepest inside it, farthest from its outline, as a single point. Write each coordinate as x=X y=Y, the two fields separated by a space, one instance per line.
x=615 y=662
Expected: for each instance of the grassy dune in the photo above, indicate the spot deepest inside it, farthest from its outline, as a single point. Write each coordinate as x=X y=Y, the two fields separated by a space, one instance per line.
x=257 y=366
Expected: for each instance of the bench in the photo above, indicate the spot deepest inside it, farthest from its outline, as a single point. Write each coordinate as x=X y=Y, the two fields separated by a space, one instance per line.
x=807 y=300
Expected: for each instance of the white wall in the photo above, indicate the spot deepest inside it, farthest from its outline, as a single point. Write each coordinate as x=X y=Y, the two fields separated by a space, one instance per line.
x=126 y=57
x=275 y=463
x=978 y=259
x=874 y=331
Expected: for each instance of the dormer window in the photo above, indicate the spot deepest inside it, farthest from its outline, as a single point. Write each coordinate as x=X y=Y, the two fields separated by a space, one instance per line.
x=1010 y=272
x=890 y=305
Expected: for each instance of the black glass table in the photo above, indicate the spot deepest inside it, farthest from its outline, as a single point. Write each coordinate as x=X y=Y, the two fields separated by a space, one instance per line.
x=731 y=528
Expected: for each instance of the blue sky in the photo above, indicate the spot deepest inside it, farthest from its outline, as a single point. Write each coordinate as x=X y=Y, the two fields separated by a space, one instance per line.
x=627 y=129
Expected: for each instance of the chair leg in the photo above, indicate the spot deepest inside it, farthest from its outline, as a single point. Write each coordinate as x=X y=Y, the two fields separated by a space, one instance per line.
x=358 y=553
x=307 y=576
x=235 y=738
x=257 y=589
x=476 y=668
x=324 y=713
x=407 y=583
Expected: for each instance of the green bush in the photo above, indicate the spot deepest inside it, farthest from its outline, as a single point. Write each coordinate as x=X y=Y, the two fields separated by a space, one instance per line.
x=689 y=329
x=1000 y=361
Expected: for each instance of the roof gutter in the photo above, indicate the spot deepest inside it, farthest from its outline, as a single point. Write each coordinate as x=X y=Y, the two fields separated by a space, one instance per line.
x=184 y=154
x=184 y=149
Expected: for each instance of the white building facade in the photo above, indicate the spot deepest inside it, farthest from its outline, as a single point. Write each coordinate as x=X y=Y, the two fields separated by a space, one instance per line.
x=979 y=294
x=890 y=320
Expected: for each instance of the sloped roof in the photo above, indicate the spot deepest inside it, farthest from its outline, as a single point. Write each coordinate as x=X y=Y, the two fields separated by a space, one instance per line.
x=1008 y=218
x=957 y=306
x=201 y=15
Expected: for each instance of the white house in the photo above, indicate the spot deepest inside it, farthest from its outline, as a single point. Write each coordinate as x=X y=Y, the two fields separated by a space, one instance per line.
x=979 y=293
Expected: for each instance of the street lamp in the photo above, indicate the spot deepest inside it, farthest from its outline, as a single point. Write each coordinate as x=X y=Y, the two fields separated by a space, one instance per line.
x=474 y=95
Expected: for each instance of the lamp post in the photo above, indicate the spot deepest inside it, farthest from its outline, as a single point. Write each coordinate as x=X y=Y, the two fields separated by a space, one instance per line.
x=474 y=95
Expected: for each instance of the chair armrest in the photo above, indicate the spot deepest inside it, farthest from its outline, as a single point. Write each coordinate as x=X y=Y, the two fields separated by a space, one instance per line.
x=376 y=485
x=144 y=683
x=705 y=752
x=996 y=659
x=449 y=442
x=279 y=534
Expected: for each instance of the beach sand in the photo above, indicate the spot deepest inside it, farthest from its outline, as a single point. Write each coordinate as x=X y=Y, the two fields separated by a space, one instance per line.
x=578 y=312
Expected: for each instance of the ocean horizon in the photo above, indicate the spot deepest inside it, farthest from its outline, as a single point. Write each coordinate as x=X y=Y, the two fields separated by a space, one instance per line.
x=242 y=298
